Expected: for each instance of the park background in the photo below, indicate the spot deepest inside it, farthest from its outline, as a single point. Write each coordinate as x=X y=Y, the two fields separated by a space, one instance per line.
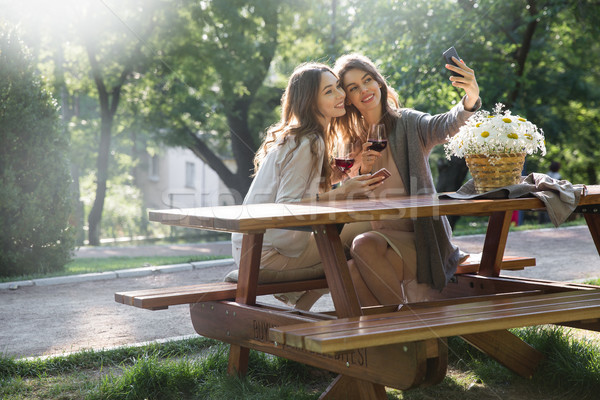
x=119 y=83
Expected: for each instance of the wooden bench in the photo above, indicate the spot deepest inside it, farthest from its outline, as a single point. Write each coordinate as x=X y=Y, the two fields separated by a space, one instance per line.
x=429 y=321
x=162 y=298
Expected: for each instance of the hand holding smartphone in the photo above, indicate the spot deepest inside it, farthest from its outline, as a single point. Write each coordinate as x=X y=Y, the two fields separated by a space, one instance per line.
x=382 y=172
x=448 y=54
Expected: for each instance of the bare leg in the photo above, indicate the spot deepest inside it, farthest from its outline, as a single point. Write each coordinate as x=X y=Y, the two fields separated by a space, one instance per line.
x=365 y=296
x=380 y=268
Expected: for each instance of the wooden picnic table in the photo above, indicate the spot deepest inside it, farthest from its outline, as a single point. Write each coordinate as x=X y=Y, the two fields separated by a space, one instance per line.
x=401 y=346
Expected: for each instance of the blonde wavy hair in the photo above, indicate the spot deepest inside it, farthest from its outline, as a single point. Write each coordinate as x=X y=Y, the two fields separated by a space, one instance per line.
x=300 y=118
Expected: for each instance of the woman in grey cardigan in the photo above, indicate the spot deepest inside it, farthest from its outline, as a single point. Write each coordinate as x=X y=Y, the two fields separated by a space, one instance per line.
x=410 y=259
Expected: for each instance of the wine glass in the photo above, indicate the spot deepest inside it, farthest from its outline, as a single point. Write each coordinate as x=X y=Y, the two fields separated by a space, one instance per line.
x=344 y=159
x=377 y=138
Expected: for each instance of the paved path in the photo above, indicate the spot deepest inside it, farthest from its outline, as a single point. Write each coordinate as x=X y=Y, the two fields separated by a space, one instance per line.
x=82 y=314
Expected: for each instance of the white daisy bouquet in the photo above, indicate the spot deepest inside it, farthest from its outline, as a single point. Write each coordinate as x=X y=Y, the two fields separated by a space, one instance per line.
x=494 y=134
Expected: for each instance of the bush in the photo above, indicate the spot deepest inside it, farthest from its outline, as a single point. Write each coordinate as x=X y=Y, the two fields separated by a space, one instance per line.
x=34 y=176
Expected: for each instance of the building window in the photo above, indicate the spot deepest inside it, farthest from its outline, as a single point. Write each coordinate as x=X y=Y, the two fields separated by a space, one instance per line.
x=190 y=177
x=153 y=168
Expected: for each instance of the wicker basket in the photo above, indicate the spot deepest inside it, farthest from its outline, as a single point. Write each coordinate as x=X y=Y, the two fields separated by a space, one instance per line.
x=496 y=172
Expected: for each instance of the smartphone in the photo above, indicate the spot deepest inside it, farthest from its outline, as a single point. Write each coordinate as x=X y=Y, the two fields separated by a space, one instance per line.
x=382 y=172
x=448 y=54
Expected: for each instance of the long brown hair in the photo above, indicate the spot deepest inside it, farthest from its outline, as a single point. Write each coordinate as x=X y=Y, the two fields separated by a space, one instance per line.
x=352 y=125
x=299 y=117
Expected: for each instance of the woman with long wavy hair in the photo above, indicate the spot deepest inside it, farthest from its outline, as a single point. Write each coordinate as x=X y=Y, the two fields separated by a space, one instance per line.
x=293 y=165
x=403 y=260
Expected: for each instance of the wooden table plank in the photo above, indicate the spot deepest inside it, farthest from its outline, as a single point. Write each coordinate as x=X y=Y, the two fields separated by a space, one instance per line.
x=258 y=217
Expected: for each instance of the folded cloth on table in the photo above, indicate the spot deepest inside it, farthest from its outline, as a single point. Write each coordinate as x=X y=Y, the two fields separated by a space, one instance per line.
x=559 y=196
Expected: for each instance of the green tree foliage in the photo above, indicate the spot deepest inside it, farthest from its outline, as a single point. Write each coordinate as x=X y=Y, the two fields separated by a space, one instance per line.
x=114 y=55
x=208 y=75
x=34 y=200
x=540 y=58
x=93 y=51
x=207 y=90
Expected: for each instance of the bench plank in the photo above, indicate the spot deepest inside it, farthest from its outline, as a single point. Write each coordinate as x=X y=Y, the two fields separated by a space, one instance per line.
x=162 y=298
x=511 y=263
x=457 y=319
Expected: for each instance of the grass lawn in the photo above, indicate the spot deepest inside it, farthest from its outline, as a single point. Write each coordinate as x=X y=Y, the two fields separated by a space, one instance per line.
x=196 y=369
x=87 y=265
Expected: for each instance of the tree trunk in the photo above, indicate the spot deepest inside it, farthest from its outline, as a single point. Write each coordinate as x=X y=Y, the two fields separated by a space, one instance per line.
x=523 y=51
x=108 y=109
x=243 y=147
x=95 y=215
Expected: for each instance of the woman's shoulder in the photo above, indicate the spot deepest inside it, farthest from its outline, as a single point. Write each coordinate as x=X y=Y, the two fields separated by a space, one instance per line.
x=405 y=115
x=408 y=112
x=305 y=139
x=301 y=143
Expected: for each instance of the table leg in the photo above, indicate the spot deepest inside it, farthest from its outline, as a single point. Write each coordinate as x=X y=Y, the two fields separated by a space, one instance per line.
x=495 y=242
x=246 y=294
x=503 y=346
x=337 y=273
x=346 y=304
x=593 y=223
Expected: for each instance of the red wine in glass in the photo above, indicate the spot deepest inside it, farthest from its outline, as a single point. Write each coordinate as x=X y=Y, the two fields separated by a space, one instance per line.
x=377 y=138
x=377 y=144
x=344 y=163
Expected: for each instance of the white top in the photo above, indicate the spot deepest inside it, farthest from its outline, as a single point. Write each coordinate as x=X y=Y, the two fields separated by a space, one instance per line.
x=285 y=176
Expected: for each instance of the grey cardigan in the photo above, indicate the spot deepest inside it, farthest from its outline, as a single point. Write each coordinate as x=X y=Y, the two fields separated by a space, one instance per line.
x=412 y=139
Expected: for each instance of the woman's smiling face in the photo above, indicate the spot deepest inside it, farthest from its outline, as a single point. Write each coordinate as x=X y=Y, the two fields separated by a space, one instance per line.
x=362 y=90
x=330 y=100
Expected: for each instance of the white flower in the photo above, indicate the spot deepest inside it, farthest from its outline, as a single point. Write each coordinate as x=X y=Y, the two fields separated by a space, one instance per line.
x=492 y=134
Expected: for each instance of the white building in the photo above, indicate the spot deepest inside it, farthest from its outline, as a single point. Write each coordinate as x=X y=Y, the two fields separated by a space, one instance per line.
x=177 y=178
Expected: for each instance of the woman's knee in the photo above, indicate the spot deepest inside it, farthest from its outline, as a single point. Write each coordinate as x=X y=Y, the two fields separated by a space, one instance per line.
x=368 y=244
